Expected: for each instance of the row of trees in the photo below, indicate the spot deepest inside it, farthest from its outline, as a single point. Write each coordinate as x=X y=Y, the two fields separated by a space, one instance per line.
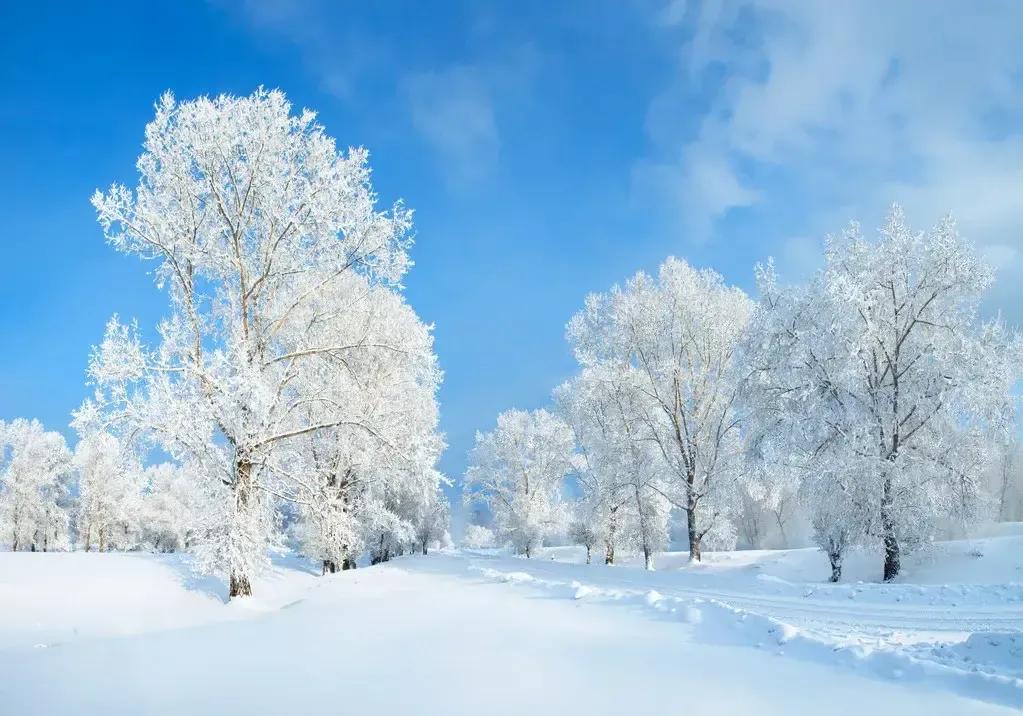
x=871 y=397
x=289 y=380
x=101 y=497
x=97 y=496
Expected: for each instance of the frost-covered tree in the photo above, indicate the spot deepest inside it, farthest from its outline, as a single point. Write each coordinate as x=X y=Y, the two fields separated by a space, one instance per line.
x=769 y=492
x=267 y=240
x=1008 y=479
x=432 y=522
x=367 y=479
x=35 y=466
x=884 y=384
x=174 y=507
x=517 y=471
x=619 y=468
x=587 y=404
x=676 y=338
x=478 y=537
x=583 y=532
x=109 y=492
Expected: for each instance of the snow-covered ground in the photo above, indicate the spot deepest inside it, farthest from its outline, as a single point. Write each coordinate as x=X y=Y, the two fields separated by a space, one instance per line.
x=474 y=633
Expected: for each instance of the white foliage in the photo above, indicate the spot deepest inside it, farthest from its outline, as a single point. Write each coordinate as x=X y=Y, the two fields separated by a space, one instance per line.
x=675 y=339
x=35 y=467
x=880 y=385
x=285 y=321
x=478 y=537
x=517 y=470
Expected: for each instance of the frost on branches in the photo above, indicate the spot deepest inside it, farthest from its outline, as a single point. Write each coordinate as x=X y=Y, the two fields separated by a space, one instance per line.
x=619 y=471
x=35 y=471
x=287 y=359
x=109 y=492
x=674 y=340
x=879 y=383
x=517 y=471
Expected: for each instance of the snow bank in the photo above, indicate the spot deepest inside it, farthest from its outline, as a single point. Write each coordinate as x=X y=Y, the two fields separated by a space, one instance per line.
x=473 y=633
x=54 y=597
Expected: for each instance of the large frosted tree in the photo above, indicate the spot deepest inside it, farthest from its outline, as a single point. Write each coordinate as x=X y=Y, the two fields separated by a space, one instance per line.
x=883 y=385
x=518 y=471
x=269 y=244
x=676 y=336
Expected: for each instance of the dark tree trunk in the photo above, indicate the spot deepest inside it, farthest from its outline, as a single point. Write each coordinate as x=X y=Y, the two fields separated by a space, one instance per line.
x=240 y=584
x=892 y=561
x=425 y=547
x=646 y=557
x=588 y=550
x=609 y=552
x=836 y=565
x=329 y=566
x=348 y=563
x=694 y=535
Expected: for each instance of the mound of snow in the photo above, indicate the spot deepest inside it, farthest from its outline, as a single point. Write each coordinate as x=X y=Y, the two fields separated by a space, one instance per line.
x=55 y=597
x=986 y=652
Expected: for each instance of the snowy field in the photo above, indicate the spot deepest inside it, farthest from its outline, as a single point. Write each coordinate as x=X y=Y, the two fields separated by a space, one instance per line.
x=474 y=633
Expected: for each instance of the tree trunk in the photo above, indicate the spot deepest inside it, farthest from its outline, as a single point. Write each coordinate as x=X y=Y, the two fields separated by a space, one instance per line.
x=609 y=543
x=835 y=557
x=694 y=536
x=647 y=558
x=240 y=584
x=588 y=549
x=348 y=563
x=529 y=551
x=424 y=547
x=891 y=543
x=781 y=526
x=329 y=566
x=379 y=555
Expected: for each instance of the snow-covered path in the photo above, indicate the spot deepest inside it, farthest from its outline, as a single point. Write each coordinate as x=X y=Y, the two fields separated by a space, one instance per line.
x=857 y=610
x=446 y=634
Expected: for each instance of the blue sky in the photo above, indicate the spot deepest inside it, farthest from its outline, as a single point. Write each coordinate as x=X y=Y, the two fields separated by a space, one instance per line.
x=549 y=150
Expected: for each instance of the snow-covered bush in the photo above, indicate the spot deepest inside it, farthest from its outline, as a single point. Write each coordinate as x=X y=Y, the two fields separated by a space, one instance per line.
x=478 y=537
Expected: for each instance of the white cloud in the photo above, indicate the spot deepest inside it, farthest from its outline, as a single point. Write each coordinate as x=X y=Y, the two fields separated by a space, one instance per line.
x=847 y=107
x=454 y=112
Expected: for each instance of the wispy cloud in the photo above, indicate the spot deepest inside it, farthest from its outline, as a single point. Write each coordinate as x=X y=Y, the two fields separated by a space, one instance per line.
x=454 y=106
x=845 y=107
x=454 y=112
